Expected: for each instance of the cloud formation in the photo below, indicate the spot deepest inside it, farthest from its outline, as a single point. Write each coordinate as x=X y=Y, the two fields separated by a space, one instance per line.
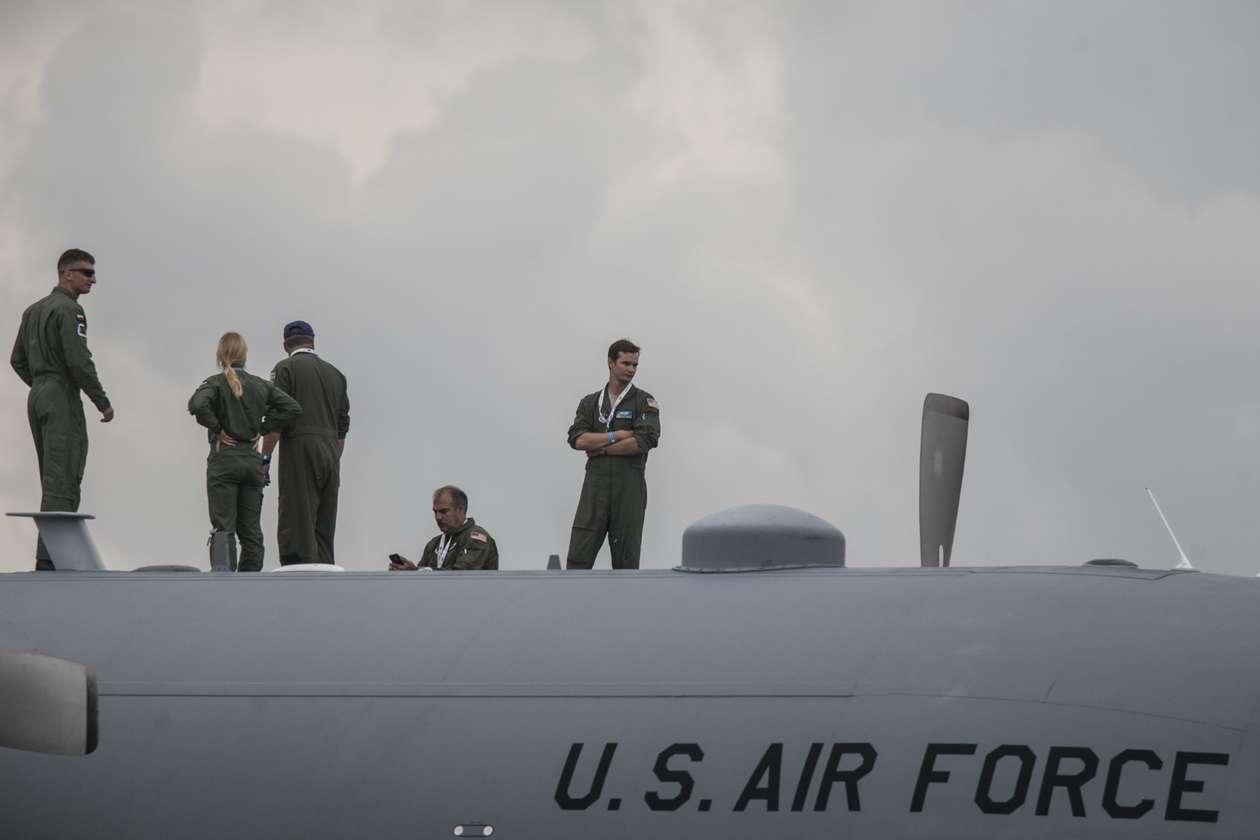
x=808 y=215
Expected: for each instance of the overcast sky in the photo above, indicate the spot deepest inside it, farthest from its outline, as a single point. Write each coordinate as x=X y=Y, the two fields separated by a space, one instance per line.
x=809 y=215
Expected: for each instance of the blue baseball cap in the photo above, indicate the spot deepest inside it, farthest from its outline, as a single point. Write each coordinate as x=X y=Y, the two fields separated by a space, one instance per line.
x=298 y=328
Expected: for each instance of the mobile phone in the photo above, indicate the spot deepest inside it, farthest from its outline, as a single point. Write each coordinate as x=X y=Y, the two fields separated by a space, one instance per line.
x=397 y=558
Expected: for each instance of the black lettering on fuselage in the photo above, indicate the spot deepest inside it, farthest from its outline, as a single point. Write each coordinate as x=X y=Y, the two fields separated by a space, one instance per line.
x=832 y=774
x=807 y=777
x=677 y=777
x=1180 y=786
x=1111 y=792
x=769 y=767
x=928 y=774
x=564 y=798
x=984 y=790
x=1071 y=782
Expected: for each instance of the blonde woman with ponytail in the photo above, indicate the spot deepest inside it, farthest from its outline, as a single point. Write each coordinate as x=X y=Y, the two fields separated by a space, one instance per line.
x=237 y=408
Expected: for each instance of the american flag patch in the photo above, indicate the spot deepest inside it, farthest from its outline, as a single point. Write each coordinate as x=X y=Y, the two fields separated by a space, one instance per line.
x=475 y=535
x=652 y=404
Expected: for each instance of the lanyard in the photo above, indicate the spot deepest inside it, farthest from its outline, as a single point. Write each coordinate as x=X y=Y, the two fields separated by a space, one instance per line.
x=607 y=419
x=444 y=546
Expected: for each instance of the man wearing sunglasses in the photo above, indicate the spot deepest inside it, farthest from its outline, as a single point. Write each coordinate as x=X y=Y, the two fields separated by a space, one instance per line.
x=51 y=356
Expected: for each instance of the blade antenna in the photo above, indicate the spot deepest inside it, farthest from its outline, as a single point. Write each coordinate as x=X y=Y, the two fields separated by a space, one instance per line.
x=1184 y=563
x=942 y=454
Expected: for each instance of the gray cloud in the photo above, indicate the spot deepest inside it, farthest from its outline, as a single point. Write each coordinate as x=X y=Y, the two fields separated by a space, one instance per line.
x=808 y=215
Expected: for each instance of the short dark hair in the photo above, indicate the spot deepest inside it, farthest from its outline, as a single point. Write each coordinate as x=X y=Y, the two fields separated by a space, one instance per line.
x=294 y=341
x=458 y=496
x=72 y=256
x=621 y=345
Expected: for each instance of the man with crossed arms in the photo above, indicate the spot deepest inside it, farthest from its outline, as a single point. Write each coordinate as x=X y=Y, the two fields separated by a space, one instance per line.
x=615 y=427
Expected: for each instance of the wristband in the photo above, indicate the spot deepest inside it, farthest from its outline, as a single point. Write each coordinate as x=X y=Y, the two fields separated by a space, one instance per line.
x=612 y=438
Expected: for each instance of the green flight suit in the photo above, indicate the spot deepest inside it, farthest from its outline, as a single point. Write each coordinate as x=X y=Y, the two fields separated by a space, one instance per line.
x=614 y=492
x=310 y=457
x=471 y=547
x=51 y=356
x=234 y=482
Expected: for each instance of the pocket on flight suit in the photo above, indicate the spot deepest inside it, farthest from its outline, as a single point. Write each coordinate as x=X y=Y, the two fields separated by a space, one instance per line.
x=61 y=474
x=587 y=514
x=251 y=470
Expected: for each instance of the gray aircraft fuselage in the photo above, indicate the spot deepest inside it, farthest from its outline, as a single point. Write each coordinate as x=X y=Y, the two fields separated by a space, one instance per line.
x=950 y=704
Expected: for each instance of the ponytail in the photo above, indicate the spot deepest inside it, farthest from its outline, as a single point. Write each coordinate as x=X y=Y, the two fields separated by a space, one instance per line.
x=233 y=381
x=232 y=350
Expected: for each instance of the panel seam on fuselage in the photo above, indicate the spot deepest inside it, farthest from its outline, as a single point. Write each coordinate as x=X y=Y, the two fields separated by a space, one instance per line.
x=414 y=691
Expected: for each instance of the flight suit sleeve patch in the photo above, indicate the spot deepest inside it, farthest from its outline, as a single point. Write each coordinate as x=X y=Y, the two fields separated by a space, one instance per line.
x=652 y=406
x=81 y=325
x=477 y=535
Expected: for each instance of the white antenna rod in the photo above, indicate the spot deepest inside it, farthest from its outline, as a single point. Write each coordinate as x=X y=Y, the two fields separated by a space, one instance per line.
x=1185 y=561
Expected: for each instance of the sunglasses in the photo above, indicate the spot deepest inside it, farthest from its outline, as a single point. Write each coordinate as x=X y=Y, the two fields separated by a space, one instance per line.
x=86 y=272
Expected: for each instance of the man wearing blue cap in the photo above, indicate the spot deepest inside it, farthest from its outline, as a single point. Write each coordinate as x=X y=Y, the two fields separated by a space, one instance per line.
x=310 y=449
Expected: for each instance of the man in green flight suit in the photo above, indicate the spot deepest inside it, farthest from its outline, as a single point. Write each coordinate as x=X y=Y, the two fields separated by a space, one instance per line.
x=51 y=356
x=462 y=546
x=615 y=427
x=310 y=449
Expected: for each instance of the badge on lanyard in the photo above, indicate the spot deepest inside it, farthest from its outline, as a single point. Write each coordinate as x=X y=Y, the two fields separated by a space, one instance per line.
x=607 y=419
x=444 y=547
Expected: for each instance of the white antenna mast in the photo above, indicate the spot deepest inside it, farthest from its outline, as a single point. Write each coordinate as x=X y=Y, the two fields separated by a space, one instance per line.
x=1185 y=563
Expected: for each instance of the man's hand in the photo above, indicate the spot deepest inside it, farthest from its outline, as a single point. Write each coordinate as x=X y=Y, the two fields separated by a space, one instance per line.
x=593 y=442
x=107 y=414
x=402 y=564
x=225 y=439
x=616 y=448
x=266 y=475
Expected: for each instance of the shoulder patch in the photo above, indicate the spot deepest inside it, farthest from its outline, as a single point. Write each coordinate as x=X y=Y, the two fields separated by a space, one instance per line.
x=651 y=403
x=80 y=324
x=479 y=535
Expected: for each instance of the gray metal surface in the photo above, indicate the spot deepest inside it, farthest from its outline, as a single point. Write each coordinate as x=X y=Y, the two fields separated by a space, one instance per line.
x=222 y=551
x=65 y=535
x=404 y=705
x=942 y=454
x=760 y=537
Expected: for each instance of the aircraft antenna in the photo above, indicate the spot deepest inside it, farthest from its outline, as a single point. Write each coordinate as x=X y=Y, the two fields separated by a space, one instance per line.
x=942 y=453
x=1184 y=563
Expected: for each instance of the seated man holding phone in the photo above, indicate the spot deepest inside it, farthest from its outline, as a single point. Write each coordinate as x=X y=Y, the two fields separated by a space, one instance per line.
x=463 y=544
